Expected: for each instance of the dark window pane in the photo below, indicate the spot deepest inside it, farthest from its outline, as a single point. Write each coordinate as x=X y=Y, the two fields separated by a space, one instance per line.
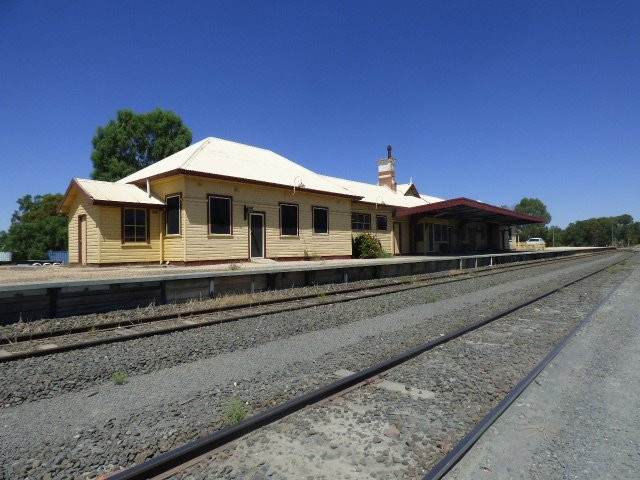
x=141 y=217
x=129 y=216
x=419 y=233
x=361 y=221
x=220 y=215
x=320 y=220
x=289 y=219
x=129 y=234
x=381 y=222
x=173 y=216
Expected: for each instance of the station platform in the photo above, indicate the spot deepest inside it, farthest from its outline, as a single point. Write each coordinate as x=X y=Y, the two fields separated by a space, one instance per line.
x=579 y=419
x=29 y=293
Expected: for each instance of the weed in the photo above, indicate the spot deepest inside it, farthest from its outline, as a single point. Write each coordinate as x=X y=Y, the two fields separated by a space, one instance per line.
x=322 y=298
x=384 y=255
x=119 y=378
x=234 y=266
x=613 y=269
x=432 y=299
x=235 y=412
x=93 y=329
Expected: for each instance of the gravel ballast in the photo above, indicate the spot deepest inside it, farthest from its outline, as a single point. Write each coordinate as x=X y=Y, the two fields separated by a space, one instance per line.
x=402 y=425
x=188 y=381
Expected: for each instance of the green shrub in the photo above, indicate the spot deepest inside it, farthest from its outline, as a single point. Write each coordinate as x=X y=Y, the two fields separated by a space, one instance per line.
x=366 y=245
x=119 y=378
x=235 y=412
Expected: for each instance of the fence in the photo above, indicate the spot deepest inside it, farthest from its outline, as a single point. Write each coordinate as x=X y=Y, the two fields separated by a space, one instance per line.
x=61 y=256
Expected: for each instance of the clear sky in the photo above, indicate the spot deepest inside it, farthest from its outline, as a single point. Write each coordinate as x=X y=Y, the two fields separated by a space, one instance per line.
x=486 y=99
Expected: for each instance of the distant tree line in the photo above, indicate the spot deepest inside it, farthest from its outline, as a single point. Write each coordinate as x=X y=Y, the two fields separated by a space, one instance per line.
x=620 y=230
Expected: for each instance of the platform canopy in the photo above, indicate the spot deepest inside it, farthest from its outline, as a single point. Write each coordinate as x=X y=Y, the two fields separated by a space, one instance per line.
x=469 y=210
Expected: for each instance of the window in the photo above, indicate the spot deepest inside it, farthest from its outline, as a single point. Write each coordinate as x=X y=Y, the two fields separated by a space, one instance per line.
x=381 y=222
x=320 y=220
x=134 y=225
x=440 y=233
x=220 y=215
x=289 y=220
x=419 y=232
x=360 y=221
x=173 y=215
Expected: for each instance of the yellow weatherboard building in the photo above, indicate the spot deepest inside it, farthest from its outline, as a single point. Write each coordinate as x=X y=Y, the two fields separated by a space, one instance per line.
x=220 y=201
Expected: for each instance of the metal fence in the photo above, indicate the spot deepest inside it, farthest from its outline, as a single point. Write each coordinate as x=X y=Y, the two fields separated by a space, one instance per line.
x=5 y=257
x=62 y=256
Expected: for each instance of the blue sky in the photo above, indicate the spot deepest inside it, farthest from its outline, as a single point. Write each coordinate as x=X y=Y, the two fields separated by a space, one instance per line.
x=486 y=99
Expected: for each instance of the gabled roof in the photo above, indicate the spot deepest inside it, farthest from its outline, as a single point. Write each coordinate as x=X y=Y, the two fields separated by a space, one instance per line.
x=109 y=193
x=223 y=159
x=378 y=194
x=471 y=210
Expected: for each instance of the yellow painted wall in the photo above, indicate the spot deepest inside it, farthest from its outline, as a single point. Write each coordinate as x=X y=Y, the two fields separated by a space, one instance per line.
x=82 y=206
x=385 y=237
x=112 y=250
x=202 y=246
x=174 y=245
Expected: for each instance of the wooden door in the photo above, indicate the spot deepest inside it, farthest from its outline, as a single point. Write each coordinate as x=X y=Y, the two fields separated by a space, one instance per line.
x=256 y=235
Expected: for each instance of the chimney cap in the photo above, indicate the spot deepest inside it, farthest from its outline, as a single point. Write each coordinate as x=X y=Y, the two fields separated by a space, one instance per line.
x=388 y=151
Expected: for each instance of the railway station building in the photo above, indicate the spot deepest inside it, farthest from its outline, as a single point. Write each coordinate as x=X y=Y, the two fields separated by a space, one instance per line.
x=220 y=201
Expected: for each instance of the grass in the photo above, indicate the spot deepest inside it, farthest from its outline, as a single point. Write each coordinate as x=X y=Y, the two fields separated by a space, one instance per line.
x=119 y=378
x=384 y=255
x=322 y=297
x=234 y=266
x=432 y=299
x=613 y=269
x=93 y=329
x=235 y=412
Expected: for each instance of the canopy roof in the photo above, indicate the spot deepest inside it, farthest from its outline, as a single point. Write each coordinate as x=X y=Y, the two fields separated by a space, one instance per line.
x=226 y=160
x=108 y=193
x=470 y=210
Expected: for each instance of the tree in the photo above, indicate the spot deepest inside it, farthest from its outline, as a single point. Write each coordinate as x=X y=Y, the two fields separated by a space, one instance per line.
x=535 y=207
x=37 y=227
x=134 y=141
x=3 y=241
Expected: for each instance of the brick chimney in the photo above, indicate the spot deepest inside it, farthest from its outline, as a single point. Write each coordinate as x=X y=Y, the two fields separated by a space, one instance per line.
x=387 y=171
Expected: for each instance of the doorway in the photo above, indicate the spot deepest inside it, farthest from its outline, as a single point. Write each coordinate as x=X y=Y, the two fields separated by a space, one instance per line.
x=396 y=238
x=82 y=229
x=256 y=235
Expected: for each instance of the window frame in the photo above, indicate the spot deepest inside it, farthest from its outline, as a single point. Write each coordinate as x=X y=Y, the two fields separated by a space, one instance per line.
x=229 y=198
x=386 y=221
x=363 y=223
x=285 y=204
x=147 y=225
x=166 y=215
x=313 y=220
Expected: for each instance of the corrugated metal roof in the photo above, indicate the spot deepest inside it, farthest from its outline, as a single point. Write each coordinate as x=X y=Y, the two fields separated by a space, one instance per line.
x=230 y=160
x=111 y=193
x=381 y=194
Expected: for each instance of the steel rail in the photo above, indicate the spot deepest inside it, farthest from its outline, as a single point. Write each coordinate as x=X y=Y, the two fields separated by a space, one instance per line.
x=396 y=287
x=181 y=455
x=462 y=448
x=496 y=268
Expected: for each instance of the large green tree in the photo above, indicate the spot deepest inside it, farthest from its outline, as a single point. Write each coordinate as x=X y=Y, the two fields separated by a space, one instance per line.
x=535 y=207
x=134 y=141
x=36 y=227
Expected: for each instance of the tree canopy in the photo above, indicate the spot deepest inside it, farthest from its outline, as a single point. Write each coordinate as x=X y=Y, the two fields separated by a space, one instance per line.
x=533 y=206
x=134 y=141
x=36 y=227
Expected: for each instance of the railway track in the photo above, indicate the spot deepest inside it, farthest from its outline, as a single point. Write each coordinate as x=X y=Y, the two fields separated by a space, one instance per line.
x=174 y=461
x=23 y=346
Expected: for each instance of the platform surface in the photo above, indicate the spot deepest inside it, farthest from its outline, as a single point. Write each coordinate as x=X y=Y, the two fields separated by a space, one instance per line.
x=580 y=418
x=61 y=276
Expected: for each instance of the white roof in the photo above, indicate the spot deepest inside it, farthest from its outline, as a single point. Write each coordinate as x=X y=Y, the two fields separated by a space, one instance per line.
x=381 y=194
x=116 y=192
x=224 y=158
